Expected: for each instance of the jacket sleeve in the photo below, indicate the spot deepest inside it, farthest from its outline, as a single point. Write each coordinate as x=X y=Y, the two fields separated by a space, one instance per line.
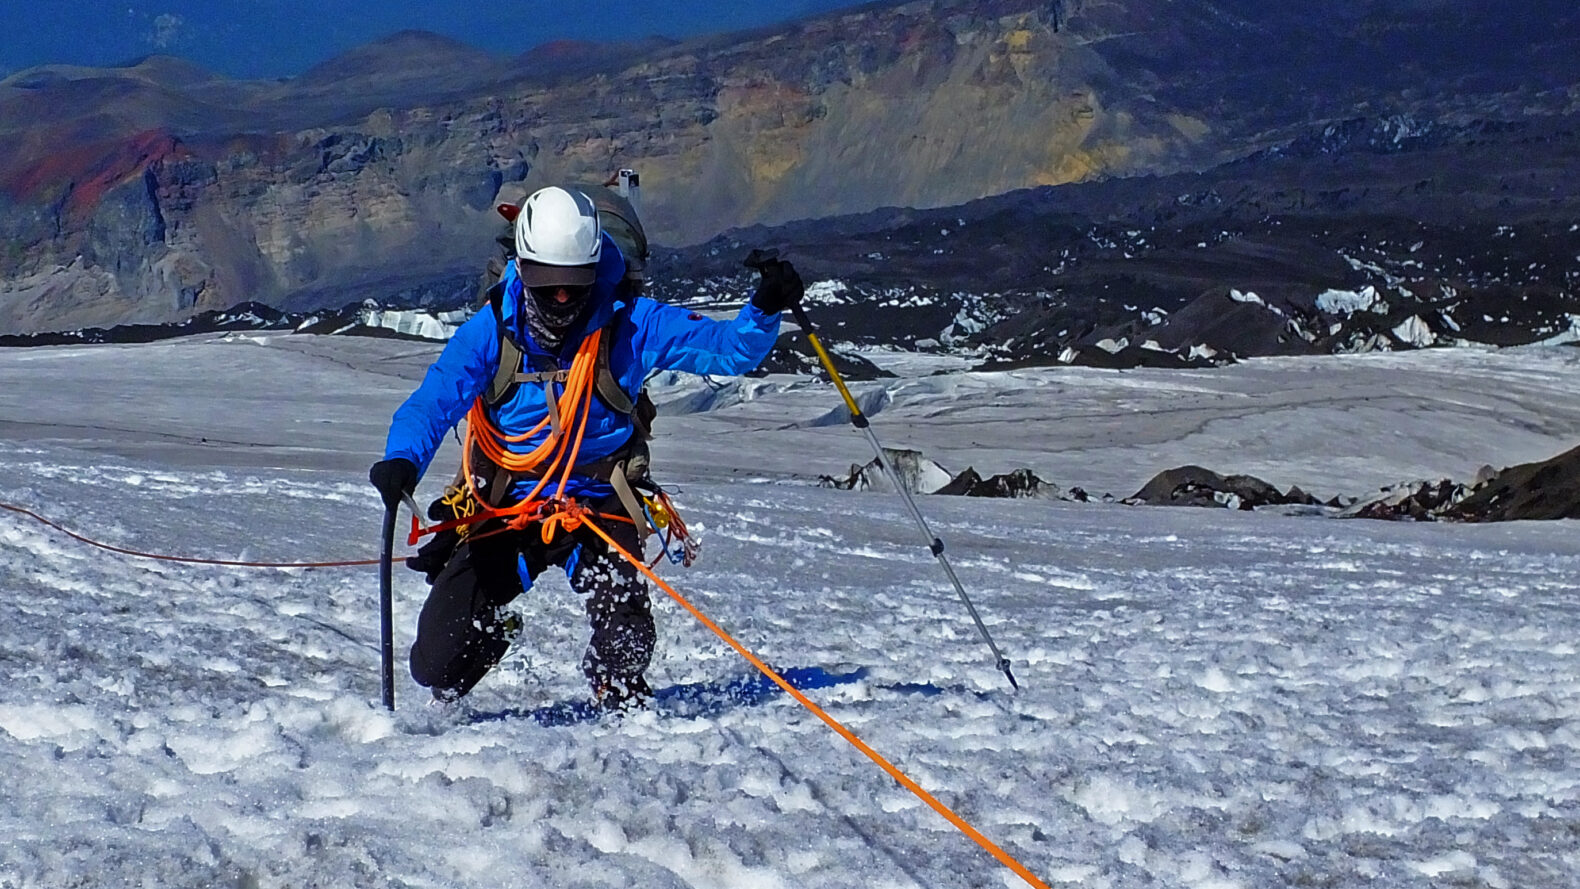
x=673 y=338
x=452 y=383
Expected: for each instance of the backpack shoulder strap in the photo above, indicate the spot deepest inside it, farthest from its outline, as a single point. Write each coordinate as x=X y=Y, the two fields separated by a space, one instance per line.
x=607 y=386
x=510 y=354
x=641 y=410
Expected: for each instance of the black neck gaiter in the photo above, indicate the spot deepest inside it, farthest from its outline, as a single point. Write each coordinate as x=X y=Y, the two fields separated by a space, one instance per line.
x=548 y=321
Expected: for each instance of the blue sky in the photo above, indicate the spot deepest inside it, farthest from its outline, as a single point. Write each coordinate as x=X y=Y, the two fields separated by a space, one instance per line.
x=279 y=38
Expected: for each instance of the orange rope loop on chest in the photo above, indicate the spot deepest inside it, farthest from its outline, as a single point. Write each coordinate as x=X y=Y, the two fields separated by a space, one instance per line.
x=551 y=461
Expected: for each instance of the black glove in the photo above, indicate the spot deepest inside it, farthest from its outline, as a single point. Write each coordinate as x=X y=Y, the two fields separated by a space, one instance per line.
x=435 y=554
x=394 y=479
x=780 y=286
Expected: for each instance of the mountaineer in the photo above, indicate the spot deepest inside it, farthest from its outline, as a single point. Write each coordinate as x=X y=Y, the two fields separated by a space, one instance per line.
x=548 y=382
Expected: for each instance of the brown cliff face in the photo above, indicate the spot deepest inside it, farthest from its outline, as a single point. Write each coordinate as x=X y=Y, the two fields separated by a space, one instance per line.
x=152 y=192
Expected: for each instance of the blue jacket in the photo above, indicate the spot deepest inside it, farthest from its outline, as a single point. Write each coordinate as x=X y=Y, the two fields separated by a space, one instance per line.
x=649 y=336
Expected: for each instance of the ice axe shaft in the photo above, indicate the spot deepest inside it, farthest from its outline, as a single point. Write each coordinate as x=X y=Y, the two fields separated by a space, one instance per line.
x=859 y=420
x=387 y=599
x=387 y=607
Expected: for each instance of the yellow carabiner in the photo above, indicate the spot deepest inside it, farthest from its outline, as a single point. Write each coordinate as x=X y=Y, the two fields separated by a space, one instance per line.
x=657 y=513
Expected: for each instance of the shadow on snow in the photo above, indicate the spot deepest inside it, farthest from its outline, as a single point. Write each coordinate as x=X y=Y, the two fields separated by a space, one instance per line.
x=689 y=701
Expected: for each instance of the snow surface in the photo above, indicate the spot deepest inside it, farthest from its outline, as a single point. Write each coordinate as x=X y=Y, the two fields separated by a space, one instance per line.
x=1415 y=331
x=1209 y=699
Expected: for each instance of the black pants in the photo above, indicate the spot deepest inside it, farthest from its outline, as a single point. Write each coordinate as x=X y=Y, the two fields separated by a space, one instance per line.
x=461 y=633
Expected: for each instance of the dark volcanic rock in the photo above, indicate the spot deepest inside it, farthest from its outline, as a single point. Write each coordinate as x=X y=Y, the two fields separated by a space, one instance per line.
x=1549 y=489
x=1196 y=486
x=1124 y=358
x=919 y=475
x=915 y=472
x=1546 y=490
x=793 y=354
x=1018 y=483
x=1421 y=501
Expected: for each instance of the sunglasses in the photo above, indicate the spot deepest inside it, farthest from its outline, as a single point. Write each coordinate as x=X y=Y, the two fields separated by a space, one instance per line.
x=550 y=294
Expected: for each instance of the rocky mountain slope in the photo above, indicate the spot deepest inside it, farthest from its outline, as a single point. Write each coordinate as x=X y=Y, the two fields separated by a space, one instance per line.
x=157 y=191
x=1371 y=234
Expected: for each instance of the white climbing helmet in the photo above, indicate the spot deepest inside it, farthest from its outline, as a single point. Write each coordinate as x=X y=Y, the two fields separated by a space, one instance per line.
x=558 y=239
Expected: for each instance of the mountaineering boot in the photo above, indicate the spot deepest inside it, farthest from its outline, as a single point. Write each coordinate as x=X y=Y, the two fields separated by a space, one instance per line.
x=623 y=695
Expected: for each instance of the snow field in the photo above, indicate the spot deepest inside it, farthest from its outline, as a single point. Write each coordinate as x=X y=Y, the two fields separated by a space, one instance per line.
x=1209 y=698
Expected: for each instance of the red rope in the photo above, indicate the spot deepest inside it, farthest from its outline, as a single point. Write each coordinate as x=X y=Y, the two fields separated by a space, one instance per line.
x=183 y=559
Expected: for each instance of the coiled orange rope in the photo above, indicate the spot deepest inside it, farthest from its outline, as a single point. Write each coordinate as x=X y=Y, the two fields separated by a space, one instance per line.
x=557 y=452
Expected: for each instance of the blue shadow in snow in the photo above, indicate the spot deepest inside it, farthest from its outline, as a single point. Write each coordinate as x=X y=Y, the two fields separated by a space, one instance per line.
x=690 y=701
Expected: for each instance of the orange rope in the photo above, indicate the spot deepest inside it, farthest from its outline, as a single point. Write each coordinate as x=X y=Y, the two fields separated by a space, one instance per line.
x=191 y=561
x=558 y=450
x=570 y=515
x=1004 y=857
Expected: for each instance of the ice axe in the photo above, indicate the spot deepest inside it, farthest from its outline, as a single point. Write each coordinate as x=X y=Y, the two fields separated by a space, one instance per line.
x=387 y=599
x=387 y=606
x=762 y=261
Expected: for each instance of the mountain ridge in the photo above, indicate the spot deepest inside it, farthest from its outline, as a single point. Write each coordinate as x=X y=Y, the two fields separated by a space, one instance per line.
x=274 y=191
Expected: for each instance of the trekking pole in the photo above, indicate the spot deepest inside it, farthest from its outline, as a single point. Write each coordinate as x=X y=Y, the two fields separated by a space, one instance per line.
x=585 y=516
x=859 y=420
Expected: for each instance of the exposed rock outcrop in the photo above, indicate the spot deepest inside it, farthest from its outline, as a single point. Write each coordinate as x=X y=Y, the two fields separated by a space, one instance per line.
x=1419 y=500
x=1198 y=486
x=1015 y=483
x=919 y=475
x=1549 y=489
